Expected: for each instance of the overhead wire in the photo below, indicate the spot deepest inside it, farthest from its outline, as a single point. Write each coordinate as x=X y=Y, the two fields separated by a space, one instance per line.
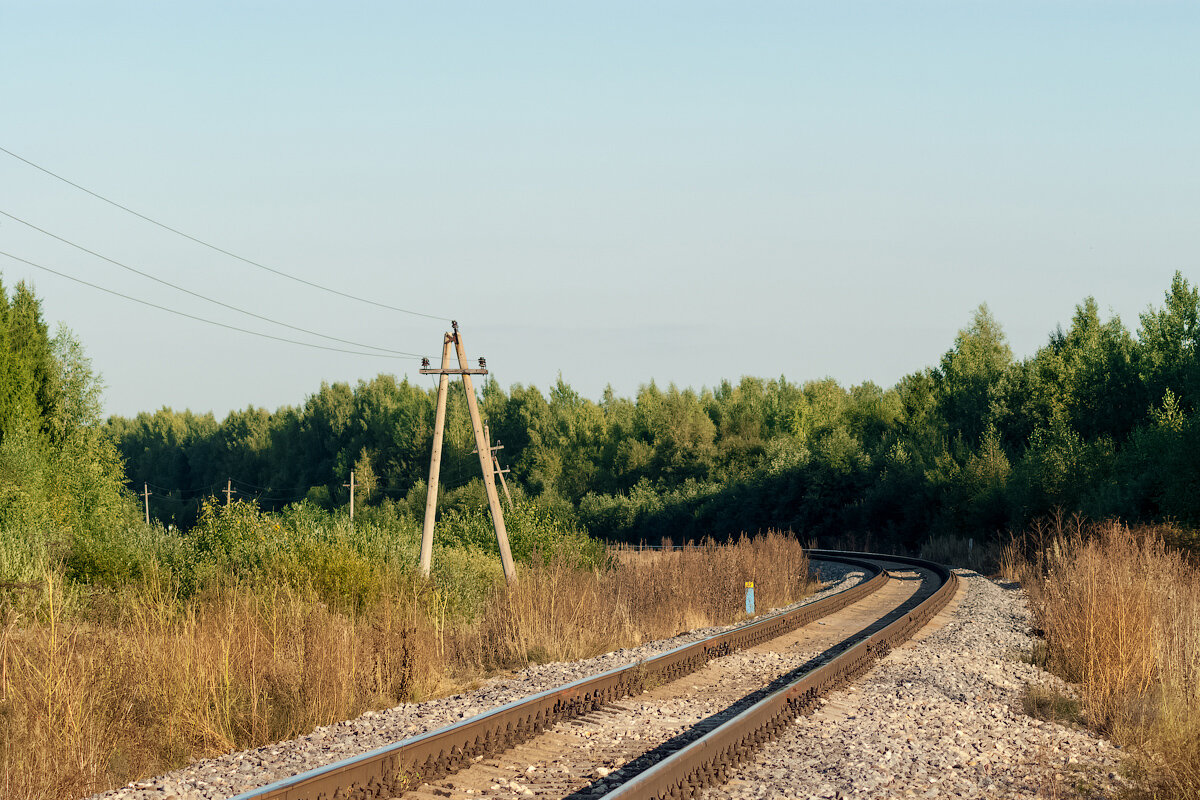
x=199 y=492
x=221 y=250
x=456 y=477
x=260 y=498
x=166 y=498
x=203 y=319
x=185 y=290
x=247 y=484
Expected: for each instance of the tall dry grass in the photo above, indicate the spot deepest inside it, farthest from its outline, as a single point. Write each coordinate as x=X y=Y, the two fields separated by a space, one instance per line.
x=557 y=613
x=85 y=705
x=982 y=556
x=141 y=683
x=1121 y=614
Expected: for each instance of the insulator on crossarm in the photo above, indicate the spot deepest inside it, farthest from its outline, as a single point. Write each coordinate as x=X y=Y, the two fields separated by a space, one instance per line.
x=424 y=363
x=482 y=363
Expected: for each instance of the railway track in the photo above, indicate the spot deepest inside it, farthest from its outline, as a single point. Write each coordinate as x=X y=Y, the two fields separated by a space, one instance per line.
x=663 y=727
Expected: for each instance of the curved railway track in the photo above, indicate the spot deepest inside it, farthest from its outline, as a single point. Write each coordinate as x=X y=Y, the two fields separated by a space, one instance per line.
x=669 y=739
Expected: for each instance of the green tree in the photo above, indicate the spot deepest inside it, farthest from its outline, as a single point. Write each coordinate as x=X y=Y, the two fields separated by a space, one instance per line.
x=969 y=374
x=1167 y=354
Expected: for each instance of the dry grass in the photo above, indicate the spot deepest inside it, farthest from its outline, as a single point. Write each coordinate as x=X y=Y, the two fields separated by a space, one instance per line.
x=90 y=701
x=86 y=705
x=1121 y=614
x=982 y=556
x=557 y=613
x=1045 y=702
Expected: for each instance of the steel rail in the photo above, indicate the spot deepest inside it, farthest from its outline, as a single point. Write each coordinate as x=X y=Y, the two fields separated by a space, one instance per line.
x=390 y=770
x=709 y=759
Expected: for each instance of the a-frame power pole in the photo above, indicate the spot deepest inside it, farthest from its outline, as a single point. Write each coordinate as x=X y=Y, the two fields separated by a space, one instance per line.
x=482 y=445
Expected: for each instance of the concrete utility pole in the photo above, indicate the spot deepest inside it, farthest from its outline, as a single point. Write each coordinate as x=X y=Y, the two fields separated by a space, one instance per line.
x=351 y=485
x=485 y=460
x=496 y=464
x=229 y=491
x=503 y=483
x=146 y=497
x=483 y=448
x=435 y=458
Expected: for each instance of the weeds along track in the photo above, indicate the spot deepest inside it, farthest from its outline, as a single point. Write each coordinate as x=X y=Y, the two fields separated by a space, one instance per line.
x=662 y=727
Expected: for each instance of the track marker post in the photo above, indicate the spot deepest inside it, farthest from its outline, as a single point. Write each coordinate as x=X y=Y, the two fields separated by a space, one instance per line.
x=750 y=597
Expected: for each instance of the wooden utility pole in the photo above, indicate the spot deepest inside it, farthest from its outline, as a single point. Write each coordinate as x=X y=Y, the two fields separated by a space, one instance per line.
x=146 y=497
x=435 y=459
x=351 y=485
x=482 y=446
x=229 y=491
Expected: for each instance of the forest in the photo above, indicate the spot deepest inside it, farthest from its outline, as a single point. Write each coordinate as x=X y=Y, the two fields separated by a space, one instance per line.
x=1100 y=420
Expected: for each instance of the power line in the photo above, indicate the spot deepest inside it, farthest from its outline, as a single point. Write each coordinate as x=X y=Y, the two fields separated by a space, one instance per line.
x=197 y=294
x=202 y=491
x=261 y=498
x=241 y=482
x=203 y=243
x=202 y=319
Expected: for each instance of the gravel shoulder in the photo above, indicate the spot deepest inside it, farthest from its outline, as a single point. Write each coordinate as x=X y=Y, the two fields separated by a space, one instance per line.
x=940 y=717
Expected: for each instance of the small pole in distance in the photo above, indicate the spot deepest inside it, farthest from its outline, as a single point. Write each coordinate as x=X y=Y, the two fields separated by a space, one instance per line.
x=351 y=485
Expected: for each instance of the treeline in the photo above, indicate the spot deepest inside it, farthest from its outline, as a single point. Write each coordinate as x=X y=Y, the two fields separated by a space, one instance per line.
x=1100 y=420
x=59 y=471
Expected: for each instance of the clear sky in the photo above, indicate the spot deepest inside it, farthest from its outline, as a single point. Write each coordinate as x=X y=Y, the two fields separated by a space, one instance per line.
x=683 y=191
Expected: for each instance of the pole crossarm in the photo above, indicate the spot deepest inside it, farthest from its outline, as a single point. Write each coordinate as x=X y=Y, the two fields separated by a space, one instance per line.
x=432 y=371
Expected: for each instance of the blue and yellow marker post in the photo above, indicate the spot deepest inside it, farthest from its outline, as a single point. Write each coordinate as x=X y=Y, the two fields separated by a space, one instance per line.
x=749 y=597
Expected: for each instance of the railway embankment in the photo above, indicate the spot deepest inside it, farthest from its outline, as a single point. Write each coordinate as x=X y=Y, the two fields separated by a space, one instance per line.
x=233 y=773
x=943 y=716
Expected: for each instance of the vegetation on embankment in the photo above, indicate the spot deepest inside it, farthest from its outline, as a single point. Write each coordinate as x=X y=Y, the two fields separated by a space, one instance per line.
x=1120 y=607
x=266 y=626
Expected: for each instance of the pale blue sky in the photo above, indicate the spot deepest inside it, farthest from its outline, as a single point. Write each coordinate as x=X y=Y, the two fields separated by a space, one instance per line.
x=614 y=191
